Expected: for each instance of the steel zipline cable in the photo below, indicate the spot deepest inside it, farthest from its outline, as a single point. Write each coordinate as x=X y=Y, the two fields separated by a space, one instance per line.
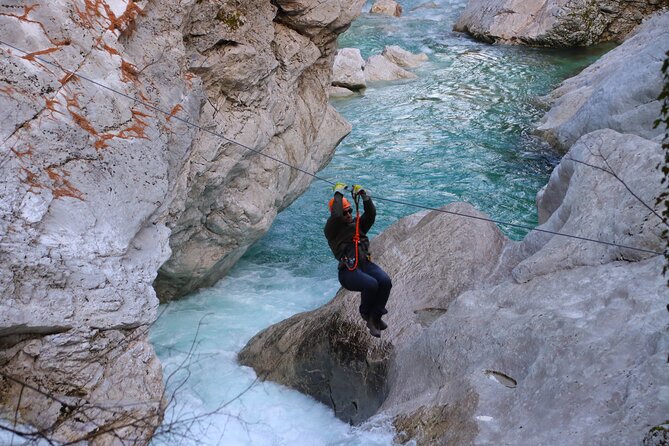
x=376 y=197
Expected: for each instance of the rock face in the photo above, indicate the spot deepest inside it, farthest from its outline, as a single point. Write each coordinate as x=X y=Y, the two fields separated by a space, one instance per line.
x=554 y=23
x=265 y=71
x=498 y=342
x=96 y=186
x=608 y=94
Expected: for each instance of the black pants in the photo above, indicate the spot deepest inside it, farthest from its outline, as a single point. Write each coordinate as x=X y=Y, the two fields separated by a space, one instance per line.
x=374 y=286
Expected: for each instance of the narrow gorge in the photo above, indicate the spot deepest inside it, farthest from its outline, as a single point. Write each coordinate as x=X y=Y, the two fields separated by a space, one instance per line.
x=163 y=274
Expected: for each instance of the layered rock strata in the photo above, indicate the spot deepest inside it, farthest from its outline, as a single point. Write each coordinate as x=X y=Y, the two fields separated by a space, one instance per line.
x=554 y=23
x=97 y=184
x=492 y=341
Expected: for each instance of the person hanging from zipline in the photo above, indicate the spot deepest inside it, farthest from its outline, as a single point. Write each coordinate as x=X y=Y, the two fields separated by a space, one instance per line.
x=348 y=241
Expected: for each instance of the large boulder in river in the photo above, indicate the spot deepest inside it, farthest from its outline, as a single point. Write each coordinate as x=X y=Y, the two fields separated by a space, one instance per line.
x=492 y=341
x=609 y=94
x=347 y=70
x=99 y=187
x=402 y=57
x=379 y=68
x=386 y=7
x=554 y=23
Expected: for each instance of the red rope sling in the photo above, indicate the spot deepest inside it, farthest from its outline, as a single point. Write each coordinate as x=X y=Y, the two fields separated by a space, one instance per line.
x=356 y=237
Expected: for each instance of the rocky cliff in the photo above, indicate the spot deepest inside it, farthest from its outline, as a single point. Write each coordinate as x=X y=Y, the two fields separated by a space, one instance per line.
x=554 y=23
x=550 y=340
x=102 y=186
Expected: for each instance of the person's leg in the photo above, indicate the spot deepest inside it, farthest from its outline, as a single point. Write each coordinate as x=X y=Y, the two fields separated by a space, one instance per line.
x=383 y=290
x=357 y=280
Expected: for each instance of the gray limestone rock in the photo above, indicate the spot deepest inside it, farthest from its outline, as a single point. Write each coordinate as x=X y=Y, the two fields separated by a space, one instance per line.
x=554 y=23
x=380 y=68
x=99 y=188
x=608 y=94
x=340 y=92
x=386 y=7
x=605 y=164
x=265 y=71
x=577 y=355
x=402 y=57
x=347 y=70
x=84 y=179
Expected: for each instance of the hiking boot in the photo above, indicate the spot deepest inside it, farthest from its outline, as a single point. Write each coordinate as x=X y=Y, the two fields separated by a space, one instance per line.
x=372 y=329
x=378 y=323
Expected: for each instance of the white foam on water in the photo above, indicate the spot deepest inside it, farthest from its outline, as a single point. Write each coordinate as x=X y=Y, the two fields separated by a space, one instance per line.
x=228 y=404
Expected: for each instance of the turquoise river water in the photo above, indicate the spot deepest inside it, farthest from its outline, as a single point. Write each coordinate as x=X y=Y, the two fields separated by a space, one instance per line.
x=462 y=131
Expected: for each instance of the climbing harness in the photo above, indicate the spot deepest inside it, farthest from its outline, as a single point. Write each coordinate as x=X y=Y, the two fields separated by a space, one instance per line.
x=223 y=137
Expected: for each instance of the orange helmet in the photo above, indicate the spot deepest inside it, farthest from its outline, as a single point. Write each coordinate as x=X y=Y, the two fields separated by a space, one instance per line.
x=344 y=202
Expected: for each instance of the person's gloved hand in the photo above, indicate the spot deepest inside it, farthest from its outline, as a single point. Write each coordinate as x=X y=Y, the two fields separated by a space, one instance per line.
x=358 y=190
x=339 y=187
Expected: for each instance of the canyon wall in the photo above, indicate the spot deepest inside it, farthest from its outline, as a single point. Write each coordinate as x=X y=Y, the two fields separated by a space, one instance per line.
x=117 y=126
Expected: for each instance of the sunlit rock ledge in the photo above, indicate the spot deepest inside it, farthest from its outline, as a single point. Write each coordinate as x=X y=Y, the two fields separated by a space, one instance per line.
x=491 y=341
x=100 y=188
x=553 y=23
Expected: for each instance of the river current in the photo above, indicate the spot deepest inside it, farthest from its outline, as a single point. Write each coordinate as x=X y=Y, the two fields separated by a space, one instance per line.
x=462 y=131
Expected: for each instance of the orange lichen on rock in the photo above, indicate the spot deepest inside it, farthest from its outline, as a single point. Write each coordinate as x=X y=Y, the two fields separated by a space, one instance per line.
x=189 y=79
x=137 y=129
x=128 y=72
x=24 y=17
x=100 y=13
x=110 y=50
x=83 y=123
x=26 y=11
x=72 y=101
x=31 y=56
x=126 y=21
x=92 y=14
x=51 y=105
x=28 y=152
x=7 y=90
x=65 y=79
x=176 y=109
x=101 y=142
x=62 y=187
x=31 y=179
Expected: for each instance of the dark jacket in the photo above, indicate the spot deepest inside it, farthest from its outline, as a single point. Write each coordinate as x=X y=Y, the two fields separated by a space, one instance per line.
x=340 y=233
